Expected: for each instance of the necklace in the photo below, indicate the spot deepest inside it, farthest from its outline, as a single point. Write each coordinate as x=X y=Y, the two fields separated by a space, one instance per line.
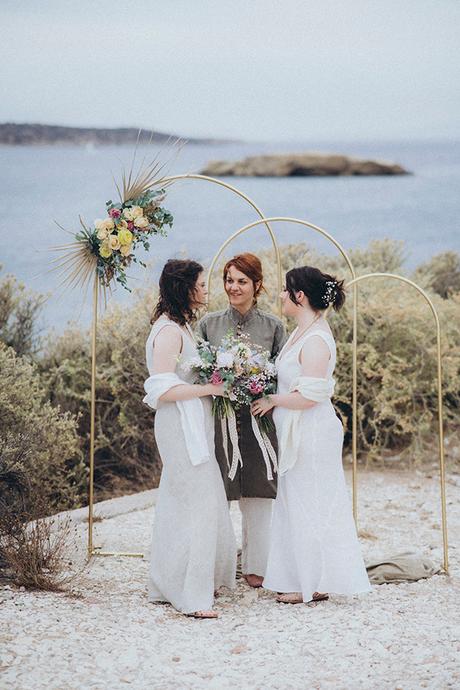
x=304 y=330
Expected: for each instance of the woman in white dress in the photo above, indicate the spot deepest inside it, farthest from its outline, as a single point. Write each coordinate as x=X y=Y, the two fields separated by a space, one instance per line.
x=193 y=549
x=314 y=549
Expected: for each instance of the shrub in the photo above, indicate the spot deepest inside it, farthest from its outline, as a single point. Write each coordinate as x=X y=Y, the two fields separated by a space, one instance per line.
x=39 y=444
x=126 y=457
x=441 y=274
x=19 y=311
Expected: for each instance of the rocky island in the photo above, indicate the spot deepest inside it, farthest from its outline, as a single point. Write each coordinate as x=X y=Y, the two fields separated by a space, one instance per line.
x=301 y=165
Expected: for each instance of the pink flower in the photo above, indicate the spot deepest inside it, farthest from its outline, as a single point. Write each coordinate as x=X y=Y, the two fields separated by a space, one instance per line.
x=216 y=379
x=114 y=213
x=130 y=225
x=255 y=388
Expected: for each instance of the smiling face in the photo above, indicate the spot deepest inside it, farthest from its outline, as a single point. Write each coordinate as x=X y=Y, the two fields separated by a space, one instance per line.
x=200 y=292
x=240 y=289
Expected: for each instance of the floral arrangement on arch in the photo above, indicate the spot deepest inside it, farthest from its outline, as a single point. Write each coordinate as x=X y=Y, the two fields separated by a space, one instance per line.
x=106 y=249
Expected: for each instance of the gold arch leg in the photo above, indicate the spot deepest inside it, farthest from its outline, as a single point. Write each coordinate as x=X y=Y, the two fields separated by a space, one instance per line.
x=442 y=472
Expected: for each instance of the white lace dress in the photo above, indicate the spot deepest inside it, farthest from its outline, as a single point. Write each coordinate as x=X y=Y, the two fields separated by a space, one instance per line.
x=313 y=546
x=193 y=548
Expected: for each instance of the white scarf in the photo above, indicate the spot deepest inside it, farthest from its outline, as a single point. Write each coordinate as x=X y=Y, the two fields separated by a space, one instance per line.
x=310 y=388
x=191 y=414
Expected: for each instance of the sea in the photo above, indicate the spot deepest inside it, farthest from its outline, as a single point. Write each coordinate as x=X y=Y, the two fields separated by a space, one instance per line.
x=44 y=185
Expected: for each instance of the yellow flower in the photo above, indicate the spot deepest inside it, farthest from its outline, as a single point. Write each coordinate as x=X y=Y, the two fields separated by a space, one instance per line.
x=141 y=222
x=114 y=242
x=125 y=249
x=104 y=227
x=125 y=237
x=136 y=212
x=105 y=250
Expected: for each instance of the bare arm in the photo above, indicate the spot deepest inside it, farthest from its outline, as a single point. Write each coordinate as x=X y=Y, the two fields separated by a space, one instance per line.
x=166 y=347
x=314 y=358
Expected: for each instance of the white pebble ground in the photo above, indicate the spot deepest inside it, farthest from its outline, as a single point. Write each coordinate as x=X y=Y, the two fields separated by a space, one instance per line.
x=107 y=635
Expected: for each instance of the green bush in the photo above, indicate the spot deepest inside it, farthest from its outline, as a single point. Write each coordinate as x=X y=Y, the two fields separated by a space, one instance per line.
x=39 y=448
x=19 y=311
x=126 y=456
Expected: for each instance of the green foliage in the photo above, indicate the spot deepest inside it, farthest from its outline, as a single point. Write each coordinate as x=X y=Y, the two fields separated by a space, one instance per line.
x=39 y=445
x=19 y=310
x=125 y=451
x=441 y=274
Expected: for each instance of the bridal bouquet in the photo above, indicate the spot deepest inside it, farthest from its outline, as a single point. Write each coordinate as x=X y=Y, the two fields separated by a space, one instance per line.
x=247 y=374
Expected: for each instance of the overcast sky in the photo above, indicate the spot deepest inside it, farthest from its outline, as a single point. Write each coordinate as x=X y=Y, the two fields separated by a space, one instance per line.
x=249 y=69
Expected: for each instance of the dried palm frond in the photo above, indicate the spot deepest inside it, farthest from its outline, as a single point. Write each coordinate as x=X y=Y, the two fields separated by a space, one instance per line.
x=148 y=175
x=79 y=262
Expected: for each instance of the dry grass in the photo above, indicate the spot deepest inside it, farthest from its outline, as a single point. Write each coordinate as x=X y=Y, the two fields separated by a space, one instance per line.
x=35 y=553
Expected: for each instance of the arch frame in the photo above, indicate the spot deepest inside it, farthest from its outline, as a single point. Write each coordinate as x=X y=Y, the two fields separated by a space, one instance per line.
x=442 y=470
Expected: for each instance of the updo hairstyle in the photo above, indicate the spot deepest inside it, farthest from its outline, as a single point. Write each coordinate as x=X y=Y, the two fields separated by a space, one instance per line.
x=321 y=289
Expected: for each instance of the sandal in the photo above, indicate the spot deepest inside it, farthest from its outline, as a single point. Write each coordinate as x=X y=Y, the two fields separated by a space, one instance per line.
x=290 y=598
x=317 y=597
x=254 y=580
x=203 y=614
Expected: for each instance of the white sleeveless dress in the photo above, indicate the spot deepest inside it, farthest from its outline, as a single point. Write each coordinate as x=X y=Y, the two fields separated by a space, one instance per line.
x=313 y=545
x=193 y=550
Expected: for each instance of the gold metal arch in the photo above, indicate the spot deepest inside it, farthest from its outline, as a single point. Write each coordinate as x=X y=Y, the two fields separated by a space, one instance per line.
x=238 y=192
x=92 y=550
x=442 y=474
x=326 y=234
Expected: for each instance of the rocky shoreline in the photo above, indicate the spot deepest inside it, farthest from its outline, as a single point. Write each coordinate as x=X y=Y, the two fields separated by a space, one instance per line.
x=301 y=165
x=12 y=134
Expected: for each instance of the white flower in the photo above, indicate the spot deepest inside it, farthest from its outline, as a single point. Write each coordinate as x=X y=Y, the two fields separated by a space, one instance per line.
x=224 y=359
x=104 y=227
x=136 y=212
x=141 y=222
x=194 y=362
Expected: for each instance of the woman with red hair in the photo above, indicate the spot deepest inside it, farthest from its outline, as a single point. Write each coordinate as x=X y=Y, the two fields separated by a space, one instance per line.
x=243 y=283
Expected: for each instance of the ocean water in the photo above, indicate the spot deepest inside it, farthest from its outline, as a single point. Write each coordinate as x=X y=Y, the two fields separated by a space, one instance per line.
x=41 y=184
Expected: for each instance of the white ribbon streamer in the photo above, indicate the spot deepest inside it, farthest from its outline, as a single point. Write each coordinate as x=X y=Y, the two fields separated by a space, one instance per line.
x=236 y=455
x=262 y=446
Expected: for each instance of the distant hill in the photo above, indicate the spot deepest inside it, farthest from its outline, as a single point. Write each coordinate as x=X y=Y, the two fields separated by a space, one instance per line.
x=31 y=134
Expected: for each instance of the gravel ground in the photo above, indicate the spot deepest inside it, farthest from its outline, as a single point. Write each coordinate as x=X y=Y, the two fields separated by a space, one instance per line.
x=106 y=635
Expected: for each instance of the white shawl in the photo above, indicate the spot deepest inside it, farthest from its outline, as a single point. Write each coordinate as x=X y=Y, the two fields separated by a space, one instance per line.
x=191 y=414
x=310 y=388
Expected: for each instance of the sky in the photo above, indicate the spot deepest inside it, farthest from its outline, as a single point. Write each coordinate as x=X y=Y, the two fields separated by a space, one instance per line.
x=294 y=70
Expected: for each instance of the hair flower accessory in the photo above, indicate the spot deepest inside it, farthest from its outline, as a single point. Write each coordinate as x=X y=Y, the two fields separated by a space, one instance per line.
x=330 y=292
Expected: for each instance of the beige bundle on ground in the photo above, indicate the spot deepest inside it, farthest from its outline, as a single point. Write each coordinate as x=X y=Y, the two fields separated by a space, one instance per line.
x=402 y=567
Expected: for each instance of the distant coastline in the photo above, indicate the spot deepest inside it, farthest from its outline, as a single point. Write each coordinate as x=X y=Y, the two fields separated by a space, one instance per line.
x=13 y=134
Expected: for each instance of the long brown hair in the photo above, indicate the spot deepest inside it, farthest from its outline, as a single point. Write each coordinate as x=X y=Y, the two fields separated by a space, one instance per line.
x=177 y=283
x=250 y=265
